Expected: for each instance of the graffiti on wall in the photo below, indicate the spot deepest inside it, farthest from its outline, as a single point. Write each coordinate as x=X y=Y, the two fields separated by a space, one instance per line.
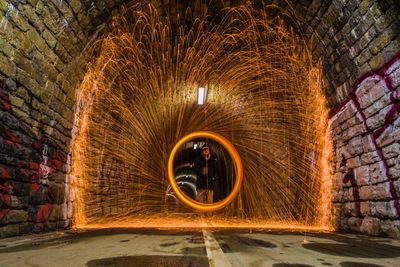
x=350 y=177
x=26 y=163
x=375 y=101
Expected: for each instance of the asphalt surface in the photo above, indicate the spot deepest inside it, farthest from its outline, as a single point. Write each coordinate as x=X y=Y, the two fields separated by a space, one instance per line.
x=197 y=248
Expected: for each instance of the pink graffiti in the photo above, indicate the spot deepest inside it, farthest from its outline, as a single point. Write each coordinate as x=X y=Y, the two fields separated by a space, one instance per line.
x=391 y=115
x=349 y=176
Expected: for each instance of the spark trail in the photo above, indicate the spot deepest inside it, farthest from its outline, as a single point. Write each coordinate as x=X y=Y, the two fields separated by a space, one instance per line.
x=138 y=98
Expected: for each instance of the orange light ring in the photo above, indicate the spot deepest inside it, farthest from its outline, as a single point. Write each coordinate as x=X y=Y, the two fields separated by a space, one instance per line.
x=237 y=162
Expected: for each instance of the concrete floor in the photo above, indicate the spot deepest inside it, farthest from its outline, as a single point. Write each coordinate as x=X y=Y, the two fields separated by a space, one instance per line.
x=149 y=247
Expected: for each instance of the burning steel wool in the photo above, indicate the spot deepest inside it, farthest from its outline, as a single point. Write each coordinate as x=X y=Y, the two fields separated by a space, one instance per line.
x=138 y=99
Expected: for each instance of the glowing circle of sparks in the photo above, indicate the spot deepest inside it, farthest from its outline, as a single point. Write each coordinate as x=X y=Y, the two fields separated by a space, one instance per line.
x=237 y=162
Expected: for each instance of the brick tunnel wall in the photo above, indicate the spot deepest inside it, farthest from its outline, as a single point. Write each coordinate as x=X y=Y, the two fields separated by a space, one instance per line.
x=366 y=135
x=41 y=40
x=359 y=43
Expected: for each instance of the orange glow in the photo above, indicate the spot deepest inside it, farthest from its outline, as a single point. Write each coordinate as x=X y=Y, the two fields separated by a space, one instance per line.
x=200 y=222
x=237 y=162
x=137 y=103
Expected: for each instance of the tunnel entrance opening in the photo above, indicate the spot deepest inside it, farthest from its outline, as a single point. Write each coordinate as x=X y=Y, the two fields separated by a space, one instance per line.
x=138 y=99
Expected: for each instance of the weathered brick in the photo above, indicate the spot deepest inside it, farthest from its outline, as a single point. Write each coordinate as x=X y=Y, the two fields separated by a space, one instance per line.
x=387 y=137
x=383 y=40
x=391 y=151
x=377 y=172
x=362 y=175
x=366 y=192
x=370 y=226
x=33 y=18
x=381 y=192
x=391 y=228
x=59 y=212
x=50 y=39
x=365 y=208
x=7 y=67
x=17 y=216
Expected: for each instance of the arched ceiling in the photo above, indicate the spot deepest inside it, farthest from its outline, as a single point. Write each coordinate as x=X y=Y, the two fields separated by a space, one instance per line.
x=351 y=37
x=339 y=32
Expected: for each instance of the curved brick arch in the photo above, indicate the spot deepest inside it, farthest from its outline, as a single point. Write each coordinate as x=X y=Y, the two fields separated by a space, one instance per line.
x=39 y=41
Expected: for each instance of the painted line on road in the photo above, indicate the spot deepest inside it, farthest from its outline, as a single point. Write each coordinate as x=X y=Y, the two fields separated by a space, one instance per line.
x=216 y=256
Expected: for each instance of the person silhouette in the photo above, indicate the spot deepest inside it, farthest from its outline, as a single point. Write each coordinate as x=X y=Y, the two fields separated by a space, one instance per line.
x=208 y=174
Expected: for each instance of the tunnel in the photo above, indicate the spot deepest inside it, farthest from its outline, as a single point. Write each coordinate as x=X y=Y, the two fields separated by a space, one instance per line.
x=95 y=97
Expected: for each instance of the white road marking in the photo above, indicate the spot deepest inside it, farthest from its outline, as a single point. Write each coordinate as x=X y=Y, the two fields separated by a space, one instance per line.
x=216 y=257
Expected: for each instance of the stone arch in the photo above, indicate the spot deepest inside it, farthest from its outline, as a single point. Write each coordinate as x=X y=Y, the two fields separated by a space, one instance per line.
x=39 y=41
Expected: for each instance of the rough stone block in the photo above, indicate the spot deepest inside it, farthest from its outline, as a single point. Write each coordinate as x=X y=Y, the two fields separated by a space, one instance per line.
x=365 y=208
x=368 y=145
x=33 y=18
x=377 y=61
x=25 y=228
x=58 y=177
x=370 y=226
x=337 y=196
x=72 y=194
x=17 y=216
x=394 y=172
x=346 y=195
x=355 y=147
x=336 y=221
x=9 y=230
x=7 y=67
x=350 y=209
x=337 y=182
x=57 y=191
x=369 y=91
x=59 y=212
x=378 y=119
x=392 y=211
x=18 y=20
x=16 y=203
x=23 y=93
x=377 y=172
x=366 y=192
x=356 y=130
x=381 y=192
x=344 y=223
x=387 y=137
x=369 y=158
x=354 y=223
x=16 y=101
x=380 y=209
x=391 y=151
x=354 y=163
x=391 y=228
x=39 y=214
x=377 y=106
x=383 y=40
x=362 y=175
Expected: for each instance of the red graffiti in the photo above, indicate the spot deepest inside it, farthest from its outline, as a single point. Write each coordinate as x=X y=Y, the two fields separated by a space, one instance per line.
x=5 y=103
x=7 y=134
x=23 y=178
x=3 y=213
x=28 y=165
x=392 y=114
x=5 y=172
x=42 y=214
